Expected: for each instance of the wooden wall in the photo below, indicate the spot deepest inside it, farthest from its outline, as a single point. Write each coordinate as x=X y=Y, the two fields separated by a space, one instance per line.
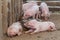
x=1 y=30
x=53 y=5
x=11 y=12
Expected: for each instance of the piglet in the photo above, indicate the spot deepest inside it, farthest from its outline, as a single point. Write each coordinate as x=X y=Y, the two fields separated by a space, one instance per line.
x=28 y=5
x=31 y=12
x=14 y=29
x=45 y=11
x=36 y=26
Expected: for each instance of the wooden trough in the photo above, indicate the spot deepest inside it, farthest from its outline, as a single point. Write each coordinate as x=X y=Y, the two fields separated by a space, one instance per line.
x=11 y=10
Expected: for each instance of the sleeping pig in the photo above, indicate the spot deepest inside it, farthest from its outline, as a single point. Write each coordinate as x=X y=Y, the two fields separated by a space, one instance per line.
x=14 y=29
x=36 y=26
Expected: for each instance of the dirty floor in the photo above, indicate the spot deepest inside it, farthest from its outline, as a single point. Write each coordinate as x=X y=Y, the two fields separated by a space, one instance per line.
x=55 y=35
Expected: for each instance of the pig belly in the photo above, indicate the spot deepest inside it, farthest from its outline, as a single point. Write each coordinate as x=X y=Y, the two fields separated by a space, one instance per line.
x=44 y=26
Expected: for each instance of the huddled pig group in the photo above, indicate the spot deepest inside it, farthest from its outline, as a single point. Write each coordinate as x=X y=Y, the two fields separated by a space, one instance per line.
x=31 y=9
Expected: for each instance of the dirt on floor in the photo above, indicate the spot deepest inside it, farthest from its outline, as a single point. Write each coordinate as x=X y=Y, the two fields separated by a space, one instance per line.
x=55 y=35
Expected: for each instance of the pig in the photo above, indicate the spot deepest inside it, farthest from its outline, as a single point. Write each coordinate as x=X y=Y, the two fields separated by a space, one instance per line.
x=28 y=5
x=31 y=12
x=15 y=28
x=36 y=26
x=45 y=11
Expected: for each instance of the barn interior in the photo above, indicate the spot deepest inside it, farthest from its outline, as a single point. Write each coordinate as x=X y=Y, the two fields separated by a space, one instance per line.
x=11 y=11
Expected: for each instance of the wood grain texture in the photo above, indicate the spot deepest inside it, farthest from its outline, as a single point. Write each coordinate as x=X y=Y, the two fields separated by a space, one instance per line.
x=1 y=29
x=5 y=15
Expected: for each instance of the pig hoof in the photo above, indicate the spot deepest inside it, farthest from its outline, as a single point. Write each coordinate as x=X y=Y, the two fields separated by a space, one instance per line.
x=19 y=34
x=26 y=32
x=31 y=33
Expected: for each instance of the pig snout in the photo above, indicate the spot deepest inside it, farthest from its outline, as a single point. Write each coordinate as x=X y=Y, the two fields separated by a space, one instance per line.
x=12 y=33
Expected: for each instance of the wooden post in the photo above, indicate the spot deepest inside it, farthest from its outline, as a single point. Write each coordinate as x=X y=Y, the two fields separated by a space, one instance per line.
x=1 y=30
x=19 y=16
x=5 y=15
x=10 y=13
x=21 y=12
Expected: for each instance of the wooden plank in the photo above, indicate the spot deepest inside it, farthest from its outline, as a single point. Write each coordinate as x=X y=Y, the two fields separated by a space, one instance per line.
x=19 y=10
x=45 y=1
x=10 y=14
x=1 y=29
x=58 y=7
x=53 y=5
x=16 y=11
x=5 y=15
x=18 y=6
x=54 y=9
x=49 y=3
x=13 y=12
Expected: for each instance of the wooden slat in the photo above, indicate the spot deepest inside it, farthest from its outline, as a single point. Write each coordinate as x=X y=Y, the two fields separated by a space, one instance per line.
x=53 y=5
x=5 y=15
x=49 y=3
x=16 y=10
x=10 y=14
x=18 y=15
x=13 y=12
x=1 y=30
x=21 y=12
x=54 y=8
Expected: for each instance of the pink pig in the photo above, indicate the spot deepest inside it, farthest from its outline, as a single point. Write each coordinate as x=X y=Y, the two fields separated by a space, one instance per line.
x=39 y=26
x=31 y=12
x=28 y=5
x=45 y=11
x=14 y=29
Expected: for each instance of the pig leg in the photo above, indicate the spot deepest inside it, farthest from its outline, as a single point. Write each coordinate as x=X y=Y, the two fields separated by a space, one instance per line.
x=45 y=18
x=29 y=31
x=33 y=16
x=36 y=31
x=37 y=16
x=19 y=33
